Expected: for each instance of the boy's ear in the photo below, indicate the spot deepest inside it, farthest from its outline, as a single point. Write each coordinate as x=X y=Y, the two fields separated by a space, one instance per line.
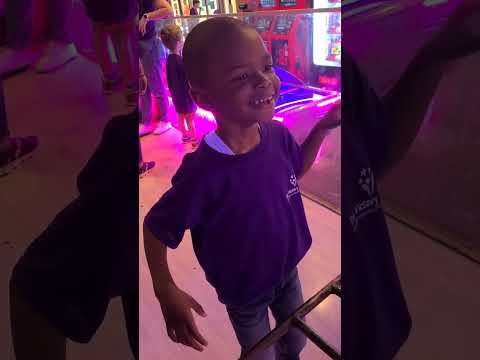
x=202 y=99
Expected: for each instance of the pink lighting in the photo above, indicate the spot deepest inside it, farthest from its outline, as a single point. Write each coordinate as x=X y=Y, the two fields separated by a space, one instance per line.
x=202 y=113
x=329 y=101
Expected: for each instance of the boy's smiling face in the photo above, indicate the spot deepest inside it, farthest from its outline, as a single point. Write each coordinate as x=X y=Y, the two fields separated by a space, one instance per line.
x=242 y=86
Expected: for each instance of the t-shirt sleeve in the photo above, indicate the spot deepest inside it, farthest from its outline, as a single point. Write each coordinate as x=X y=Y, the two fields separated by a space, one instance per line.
x=294 y=151
x=366 y=109
x=180 y=208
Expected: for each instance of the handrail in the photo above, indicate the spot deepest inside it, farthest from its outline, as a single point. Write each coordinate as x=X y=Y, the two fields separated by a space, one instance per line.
x=332 y=288
x=258 y=13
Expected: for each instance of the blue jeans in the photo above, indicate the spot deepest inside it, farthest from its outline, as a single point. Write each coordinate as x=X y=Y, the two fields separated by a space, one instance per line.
x=251 y=322
x=19 y=18
x=152 y=56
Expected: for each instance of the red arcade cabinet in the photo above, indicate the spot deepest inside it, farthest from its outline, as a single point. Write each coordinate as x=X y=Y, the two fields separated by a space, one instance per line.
x=291 y=44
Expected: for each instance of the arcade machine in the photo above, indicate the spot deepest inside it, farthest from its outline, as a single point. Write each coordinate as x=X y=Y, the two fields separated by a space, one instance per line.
x=291 y=45
x=327 y=46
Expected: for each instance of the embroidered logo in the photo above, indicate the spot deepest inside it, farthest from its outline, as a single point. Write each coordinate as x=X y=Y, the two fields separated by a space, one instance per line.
x=366 y=182
x=295 y=190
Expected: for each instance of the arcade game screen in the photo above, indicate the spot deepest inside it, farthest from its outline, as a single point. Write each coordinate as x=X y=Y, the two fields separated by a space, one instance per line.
x=265 y=4
x=263 y=24
x=287 y=3
x=327 y=35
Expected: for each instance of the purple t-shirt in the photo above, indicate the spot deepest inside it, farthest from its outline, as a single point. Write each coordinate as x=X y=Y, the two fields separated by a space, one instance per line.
x=245 y=213
x=375 y=318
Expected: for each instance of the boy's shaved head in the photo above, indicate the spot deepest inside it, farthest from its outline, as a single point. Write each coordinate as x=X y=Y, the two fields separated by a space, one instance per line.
x=204 y=44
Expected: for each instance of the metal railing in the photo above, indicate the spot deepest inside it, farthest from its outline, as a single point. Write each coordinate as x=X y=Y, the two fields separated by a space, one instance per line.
x=332 y=288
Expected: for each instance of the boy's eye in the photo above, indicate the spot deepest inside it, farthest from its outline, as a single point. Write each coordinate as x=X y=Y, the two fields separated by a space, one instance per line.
x=268 y=68
x=242 y=77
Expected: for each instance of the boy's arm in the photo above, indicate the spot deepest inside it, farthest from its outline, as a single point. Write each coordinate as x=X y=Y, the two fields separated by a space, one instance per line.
x=156 y=254
x=311 y=145
x=175 y=303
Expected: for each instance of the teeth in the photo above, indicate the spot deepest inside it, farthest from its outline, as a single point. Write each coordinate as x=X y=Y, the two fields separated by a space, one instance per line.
x=261 y=101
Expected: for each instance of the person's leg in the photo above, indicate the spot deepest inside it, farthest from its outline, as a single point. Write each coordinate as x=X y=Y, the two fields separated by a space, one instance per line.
x=60 y=50
x=19 y=24
x=181 y=126
x=288 y=299
x=190 y=118
x=33 y=336
x=124 y=39
x=251 y=324
x=59 y=12
x=130 y=309
x=152 y=65
x=19 y=21
x=110 y=78
x=146 y=98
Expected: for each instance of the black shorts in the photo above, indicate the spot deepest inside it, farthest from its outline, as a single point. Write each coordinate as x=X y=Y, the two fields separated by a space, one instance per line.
x=71 y=271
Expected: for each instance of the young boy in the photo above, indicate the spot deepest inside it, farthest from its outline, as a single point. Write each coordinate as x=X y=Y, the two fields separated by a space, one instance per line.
x=62 y=285
x=376 y=133
x=238 y=194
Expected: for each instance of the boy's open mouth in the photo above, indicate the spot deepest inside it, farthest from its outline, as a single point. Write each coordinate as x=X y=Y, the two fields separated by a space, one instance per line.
x=267 y=101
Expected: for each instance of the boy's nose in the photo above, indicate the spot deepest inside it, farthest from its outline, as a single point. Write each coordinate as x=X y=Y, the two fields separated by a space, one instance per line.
x=262 y=80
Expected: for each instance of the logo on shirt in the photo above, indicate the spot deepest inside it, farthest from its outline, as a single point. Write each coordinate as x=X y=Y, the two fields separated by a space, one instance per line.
x=295 y=190
x=366 y=182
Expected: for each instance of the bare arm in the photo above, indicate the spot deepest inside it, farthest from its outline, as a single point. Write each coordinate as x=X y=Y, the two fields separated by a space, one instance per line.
x=156 y=253
x=176 y=304
x=162 y=10
x=314 y=140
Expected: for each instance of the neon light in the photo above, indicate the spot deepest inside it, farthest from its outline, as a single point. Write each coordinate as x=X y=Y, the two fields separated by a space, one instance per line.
x=329 y=101
x=278 y=118
x=202 y=113
x=293 y=102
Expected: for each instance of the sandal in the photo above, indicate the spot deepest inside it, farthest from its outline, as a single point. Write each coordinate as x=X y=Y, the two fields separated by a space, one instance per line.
x=20 y=150
x=146 y=167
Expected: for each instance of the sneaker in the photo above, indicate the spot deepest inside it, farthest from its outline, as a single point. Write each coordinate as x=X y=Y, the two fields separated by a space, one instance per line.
x=145 y=168
x=12 y=61
x=20 y=149
x=145 y=130
x=132 y=95
x=162 y=127
x=56 y=55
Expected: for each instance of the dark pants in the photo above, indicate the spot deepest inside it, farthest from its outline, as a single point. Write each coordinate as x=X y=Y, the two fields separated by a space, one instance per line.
x=19 y=17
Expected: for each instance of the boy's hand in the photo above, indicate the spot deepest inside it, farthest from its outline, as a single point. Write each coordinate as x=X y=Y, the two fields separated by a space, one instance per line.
x=460 y=37
x=176 y=307
x=332 y=119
